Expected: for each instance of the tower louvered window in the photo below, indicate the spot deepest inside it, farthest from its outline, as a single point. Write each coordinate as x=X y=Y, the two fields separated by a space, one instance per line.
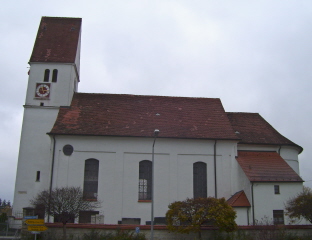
x=200 y=180
x=91 y=176
x=46 y=75
x=54 y=75
x=145 y=180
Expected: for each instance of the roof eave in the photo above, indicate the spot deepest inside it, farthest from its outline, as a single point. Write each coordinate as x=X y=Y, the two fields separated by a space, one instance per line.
x=274 y=144
x=100 y=135
x=279 y=181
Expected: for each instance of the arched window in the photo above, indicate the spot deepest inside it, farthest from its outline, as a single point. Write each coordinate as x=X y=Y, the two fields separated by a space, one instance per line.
x=46 y=75
x=91 y=176
x=200 y=179
x=54 y=75
x=145 y=180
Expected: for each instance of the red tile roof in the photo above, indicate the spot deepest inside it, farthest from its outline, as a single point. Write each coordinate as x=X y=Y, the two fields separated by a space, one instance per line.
x=57 y=40
x=253 y=129
x=266 y=167
x=239 y=199
x=138 y=116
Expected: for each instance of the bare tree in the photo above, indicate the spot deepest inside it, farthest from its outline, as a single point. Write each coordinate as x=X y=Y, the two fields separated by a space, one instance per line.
x=63 y=203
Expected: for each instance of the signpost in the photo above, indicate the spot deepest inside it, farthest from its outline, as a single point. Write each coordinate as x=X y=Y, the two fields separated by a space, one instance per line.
x=34 y=228
x=30 y=217
x=35 y=225
x=34 y=221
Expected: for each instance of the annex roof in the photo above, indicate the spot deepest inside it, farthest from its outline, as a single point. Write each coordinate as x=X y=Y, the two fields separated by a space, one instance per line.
x=57 y=40
x=138 y=116
x=266 y=167
x=239 y=199
x=251 y=128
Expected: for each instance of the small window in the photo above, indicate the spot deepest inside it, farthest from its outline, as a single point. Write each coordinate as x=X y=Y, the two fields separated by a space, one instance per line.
x=278 y=216
x=86 y=216
x=276 y=189
x=54 y=75
x=46 y=75
x=38 y=176
x=28 y=211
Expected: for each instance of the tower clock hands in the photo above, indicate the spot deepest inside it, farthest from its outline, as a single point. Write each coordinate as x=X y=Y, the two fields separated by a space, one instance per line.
x=43 y=89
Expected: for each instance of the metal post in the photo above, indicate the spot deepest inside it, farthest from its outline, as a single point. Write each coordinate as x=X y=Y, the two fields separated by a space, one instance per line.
x=156 y=131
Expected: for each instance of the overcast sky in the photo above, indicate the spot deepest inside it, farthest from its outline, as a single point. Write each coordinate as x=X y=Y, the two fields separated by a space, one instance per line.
x=256 y=56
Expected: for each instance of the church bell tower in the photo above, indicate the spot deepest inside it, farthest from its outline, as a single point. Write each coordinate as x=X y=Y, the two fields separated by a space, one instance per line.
x=53 y=80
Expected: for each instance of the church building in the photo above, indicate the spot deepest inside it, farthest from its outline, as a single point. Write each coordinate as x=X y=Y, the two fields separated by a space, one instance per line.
x=104 y=144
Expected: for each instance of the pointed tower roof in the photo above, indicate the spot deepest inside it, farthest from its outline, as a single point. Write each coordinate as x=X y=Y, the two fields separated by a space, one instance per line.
x=57 y=40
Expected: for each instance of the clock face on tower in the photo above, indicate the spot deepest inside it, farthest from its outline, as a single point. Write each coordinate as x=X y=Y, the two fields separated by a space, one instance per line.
x=42 y=90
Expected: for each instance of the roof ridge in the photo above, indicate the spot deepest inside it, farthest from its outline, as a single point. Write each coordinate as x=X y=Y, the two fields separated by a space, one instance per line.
x=142 y=95
x=243 y=113
x=61 y=17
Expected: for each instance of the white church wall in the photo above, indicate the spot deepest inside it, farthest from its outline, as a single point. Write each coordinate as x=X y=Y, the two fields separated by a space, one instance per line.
x=241 y=181
x=119 y=171
x=77 y=59
x=226 y=153
x=290 y=154
x=253 y=147
x=35 y=155
x=242 y=216
x=265 y=200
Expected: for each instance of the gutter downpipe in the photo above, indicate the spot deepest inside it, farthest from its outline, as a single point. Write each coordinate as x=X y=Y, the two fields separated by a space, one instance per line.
x=253 y=207
x=52 y=169
x=215 y=167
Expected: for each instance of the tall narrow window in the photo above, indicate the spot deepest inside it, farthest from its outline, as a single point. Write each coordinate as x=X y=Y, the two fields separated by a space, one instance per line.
x=91 y=176
x=46 y=75
x=278 y=216
x=145 y=180
x=276 y=189
x=54 y=75
x=200 y=180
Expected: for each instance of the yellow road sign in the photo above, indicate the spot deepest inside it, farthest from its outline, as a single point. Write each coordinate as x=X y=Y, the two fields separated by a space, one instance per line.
x=34 y=221
x=37 y=228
